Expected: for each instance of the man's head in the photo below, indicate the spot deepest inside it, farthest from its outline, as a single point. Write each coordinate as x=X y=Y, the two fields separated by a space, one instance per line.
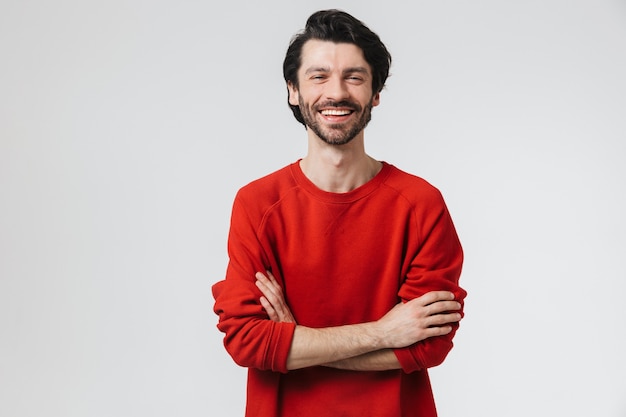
x=341 y=28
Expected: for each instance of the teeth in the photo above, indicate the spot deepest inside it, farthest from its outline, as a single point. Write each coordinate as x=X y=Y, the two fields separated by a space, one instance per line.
x=335 y=112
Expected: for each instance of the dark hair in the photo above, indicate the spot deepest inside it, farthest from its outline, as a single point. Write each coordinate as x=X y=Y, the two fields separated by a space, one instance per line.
x=340 y=27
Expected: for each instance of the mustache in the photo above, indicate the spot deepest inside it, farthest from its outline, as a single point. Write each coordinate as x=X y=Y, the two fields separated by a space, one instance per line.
x=343 y=104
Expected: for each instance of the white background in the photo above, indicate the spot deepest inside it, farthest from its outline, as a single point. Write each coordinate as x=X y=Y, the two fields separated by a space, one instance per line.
x=126 y=128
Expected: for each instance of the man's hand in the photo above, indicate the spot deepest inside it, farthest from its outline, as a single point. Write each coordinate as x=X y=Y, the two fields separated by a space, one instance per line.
x=420 y=318
x=273 y=300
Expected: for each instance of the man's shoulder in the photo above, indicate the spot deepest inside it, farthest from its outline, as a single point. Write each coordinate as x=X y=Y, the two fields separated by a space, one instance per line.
x=269 y=188
x=412 y=187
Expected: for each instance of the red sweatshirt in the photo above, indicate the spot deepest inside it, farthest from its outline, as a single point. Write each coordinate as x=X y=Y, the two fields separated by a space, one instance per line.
x=341 y=259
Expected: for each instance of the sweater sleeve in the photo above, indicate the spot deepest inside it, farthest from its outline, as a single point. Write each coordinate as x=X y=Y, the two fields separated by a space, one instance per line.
x=435 y=267
x=250 y=337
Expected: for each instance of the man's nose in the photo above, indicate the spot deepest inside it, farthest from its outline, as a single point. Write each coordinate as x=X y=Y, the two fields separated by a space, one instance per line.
x=336 y=89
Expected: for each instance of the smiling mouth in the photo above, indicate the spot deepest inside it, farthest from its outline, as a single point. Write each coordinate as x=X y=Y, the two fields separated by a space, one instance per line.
x=336 y=112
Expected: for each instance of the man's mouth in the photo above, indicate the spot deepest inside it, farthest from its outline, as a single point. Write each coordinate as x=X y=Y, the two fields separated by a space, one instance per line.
x=336 y=112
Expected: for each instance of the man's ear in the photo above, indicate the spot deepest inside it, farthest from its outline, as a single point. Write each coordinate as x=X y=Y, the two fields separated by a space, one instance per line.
x=376 y=100
x=294 y=96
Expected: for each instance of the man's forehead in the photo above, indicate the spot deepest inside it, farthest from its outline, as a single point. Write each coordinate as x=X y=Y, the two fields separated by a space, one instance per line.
x=328 y=54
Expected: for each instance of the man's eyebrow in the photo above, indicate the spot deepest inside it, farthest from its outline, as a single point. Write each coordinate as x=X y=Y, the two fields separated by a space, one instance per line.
x=350 y=70
x=356 y=70
x=317 y=69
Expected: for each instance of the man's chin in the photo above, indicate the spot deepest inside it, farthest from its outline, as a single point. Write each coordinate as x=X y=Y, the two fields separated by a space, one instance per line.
x=336 y=140
x=334 y=134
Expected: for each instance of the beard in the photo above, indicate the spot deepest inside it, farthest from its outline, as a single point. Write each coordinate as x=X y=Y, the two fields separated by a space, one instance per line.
x=338 y=133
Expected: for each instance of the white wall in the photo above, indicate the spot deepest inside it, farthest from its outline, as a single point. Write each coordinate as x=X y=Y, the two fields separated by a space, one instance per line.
x=126 y=127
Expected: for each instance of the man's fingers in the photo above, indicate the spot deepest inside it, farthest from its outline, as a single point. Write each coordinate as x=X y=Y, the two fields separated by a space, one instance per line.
x=437 y=331
x=442 y=307
x=268 y=291
x=274 y=313
x=442 y=319
x=266 y=286
x=427 y=307
x=269 y=309
x=272 y=279
x=435 y=296
x=267 y=306
x=269 y=281
x=272 y=299
x=262 y=278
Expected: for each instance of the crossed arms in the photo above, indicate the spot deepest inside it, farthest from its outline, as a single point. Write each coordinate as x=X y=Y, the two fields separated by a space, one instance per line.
x=261 y=333
x=364 y=346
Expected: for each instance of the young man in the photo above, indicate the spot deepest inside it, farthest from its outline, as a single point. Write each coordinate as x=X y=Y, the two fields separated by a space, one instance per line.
x=342 y=285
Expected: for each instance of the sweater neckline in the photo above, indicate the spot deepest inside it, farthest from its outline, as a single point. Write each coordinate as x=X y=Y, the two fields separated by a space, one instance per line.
x=347 y=197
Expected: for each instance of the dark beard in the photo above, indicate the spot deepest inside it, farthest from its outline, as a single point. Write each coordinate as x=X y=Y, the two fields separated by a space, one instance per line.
x=334 y=135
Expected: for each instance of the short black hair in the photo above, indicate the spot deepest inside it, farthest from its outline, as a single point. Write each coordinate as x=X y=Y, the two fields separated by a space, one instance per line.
x=339 y=27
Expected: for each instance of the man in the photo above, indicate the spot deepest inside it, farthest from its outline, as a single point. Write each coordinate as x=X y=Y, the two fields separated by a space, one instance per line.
x=342 y=285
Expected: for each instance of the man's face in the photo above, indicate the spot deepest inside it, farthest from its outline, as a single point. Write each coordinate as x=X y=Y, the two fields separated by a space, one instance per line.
x=335 y=90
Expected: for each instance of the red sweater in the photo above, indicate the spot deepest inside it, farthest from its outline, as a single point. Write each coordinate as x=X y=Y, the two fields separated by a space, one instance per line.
x=341 y=259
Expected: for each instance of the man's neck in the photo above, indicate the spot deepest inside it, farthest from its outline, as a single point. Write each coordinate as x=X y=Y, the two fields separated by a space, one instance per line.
x=339 y=168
